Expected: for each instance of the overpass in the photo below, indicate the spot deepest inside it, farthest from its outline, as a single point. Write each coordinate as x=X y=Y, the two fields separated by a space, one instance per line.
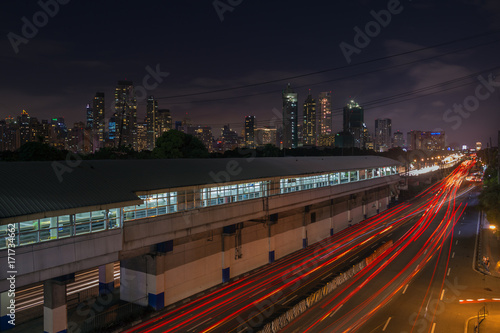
x=177 y=226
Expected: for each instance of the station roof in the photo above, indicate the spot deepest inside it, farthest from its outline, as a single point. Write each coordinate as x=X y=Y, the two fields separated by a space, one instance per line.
x=31 y=188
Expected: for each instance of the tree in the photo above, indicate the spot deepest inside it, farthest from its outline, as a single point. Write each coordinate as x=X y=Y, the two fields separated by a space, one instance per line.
x=176 y=144
x=37 y=151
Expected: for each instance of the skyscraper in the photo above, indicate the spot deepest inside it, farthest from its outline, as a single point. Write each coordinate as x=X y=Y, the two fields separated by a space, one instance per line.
x=126 y=114
x=309 y=130
x=383 y=134
x=89 y=117
x=325 y=113
x=164 y=121
x=426 y=140
x=99 y=125
x=398 y=140
x=250 y=131
x=290 y=117
x=354 y=122
x=152 y=122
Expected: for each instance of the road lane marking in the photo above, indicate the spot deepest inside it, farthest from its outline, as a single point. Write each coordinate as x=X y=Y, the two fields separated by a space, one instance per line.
x=433 y=327
x=326 y=277
x=354 y=258
x=449 y=269
x=456 y=242
x=442 y=295
x=459 y=232
x=453 y=255
x=258 y=292
x=191 y=329
x=405 y=288
x=386 y=323
x=336 y=311
x=289 y=300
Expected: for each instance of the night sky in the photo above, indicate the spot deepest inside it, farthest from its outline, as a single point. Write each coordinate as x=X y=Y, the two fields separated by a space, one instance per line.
x=89 y=45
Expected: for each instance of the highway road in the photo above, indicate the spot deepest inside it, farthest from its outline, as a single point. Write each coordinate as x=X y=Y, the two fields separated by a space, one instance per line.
x=246 y=304
x=417 y=285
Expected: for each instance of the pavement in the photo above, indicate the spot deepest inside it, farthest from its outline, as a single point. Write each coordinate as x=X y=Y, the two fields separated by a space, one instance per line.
x=488 y=263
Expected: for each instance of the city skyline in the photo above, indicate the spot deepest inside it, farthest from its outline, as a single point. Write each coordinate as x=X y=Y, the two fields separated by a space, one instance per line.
x=53 y=75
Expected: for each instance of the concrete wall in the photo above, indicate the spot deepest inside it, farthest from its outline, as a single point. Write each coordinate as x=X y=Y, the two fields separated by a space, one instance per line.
x=43 y=261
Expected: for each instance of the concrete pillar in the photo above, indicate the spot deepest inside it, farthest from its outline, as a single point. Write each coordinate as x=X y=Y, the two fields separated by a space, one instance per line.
x=273 y=219
x=8 y=310
x=365 y=216
x=226 y=269
x=304 y=227
x=55 y=319
x=378 y=206
x=331 y=217
x=271 y=242
x=106 y=279
x=142 y=281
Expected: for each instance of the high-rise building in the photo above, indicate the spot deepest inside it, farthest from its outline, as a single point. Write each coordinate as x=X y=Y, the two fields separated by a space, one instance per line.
x=111 y=131
x=142 y=136
x=290 y=118
x=426 y=140
x=164 y=121
x=152 y=122
x=325 y=123
x=126 y=114
x=204 y=133
x=23 y=122
x=354 y=123
x=79 y=139
x=383 y=134
x=309 y=129
x=99 y=122
x=229 y=138
x=89 y=117
x=250 y=131
x=265 y=136
x=398 y=140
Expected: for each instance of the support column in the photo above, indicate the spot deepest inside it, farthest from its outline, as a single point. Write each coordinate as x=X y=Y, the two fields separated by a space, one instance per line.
x=142 y=281
x=304 y=227
x=106 y=279
x=273 y=219
x=365 y=216
x=331 y=217
x=226 y=269
x=55 y=318
x=8 y=310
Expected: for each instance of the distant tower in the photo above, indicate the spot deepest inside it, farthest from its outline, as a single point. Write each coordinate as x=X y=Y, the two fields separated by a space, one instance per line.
x=383 y=133
x=98 y=117
x=354 y=122
x=398 y=140
x=309 y=131
x=126 y=114
x=164 y=122
x=290 y=118
x=89 y=117
x=325 y=123
x=152 y=122
x=250 y=131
